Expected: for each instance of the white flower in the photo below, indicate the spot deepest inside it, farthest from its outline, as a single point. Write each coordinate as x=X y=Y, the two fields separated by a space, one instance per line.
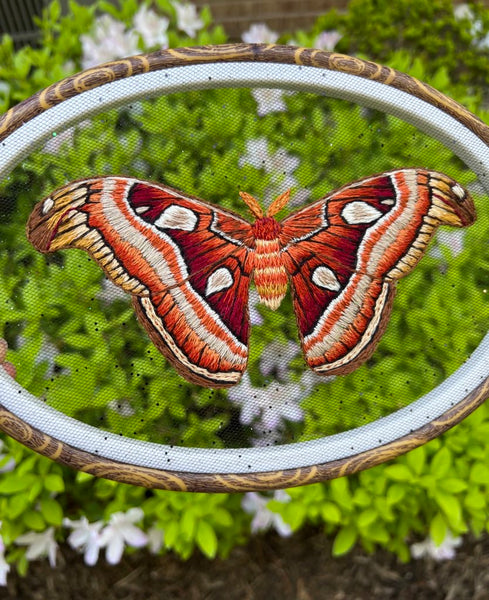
x=280 y=164
x=256 y=504
x=453 y=240
x=269 y=100
x=259 y=33
x=187 y=18
x=85 y=537
x=109 y=40
x=155 y=539
x=258 y=156
x=151 y=27
x=275 y=359
x=39 y=544
x=327 y=40
x=463 y=11
x=4 y=566
x=121 y=530
x=122 y=407
x=445 y=551
x=272 y=404
x=254 y=314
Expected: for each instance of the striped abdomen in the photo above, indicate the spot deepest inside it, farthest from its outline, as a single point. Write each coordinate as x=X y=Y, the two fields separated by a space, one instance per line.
x=270 y=275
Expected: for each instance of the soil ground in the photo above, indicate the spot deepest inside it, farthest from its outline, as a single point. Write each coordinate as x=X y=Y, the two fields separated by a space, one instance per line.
x=268 y=568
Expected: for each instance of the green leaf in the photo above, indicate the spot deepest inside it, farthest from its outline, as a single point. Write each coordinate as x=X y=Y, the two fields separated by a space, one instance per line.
x=452 y=509
x=416 y=459
x=17 y=505
x=187 y=525
x=367 y=517
x=171 y=534
x=340 y=492
x=330 y=512
x=453 y=485
x=344 y=540
x=438 y=529
x=475 y=500
x=396 y=493
x=479 y=474
x=206 y=539
x=51 y=511
x=441 y=462
x=399 y=473
x=34 y=520
x=54 y=483
x=13 y=483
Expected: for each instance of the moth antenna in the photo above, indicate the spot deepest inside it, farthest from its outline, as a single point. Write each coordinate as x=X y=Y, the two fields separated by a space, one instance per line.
x=279 y=203
x=253 y=204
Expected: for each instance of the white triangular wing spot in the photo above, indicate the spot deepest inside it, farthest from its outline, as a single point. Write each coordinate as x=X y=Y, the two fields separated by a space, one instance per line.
x=177 y=217
x=141 y=209
x=324 y=277
x=357 y=212
x=220 y=280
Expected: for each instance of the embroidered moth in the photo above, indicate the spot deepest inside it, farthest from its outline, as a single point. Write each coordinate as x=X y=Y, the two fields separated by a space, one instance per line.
x=189 y=264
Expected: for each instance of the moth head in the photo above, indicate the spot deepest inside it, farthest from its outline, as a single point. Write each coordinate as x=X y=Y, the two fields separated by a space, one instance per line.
x=275 y=207
x=452 y=203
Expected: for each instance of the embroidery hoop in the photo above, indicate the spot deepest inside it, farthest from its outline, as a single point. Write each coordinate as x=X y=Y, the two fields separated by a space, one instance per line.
x=81 y=446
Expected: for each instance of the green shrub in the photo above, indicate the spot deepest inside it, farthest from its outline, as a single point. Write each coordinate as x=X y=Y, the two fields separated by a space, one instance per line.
x=428 y=30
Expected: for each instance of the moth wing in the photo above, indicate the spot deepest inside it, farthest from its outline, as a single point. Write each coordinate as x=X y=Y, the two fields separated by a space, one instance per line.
x=346 y=252
x=185 y=261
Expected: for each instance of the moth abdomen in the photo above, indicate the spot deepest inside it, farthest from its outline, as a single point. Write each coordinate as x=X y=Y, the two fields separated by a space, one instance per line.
x=270 y=275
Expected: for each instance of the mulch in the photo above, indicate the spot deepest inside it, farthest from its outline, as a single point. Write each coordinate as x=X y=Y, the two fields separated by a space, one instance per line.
x=268 y=568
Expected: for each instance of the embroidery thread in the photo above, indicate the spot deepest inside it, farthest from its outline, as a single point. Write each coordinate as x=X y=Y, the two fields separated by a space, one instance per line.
x=189 y=264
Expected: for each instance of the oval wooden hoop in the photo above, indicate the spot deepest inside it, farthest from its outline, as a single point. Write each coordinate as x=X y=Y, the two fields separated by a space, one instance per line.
x=237 y=482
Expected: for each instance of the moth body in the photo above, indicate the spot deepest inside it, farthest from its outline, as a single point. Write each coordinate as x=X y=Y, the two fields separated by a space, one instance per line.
x=269 y=274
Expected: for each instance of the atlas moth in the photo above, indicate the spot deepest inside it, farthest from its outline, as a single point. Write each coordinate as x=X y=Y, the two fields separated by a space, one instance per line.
x=189 y=264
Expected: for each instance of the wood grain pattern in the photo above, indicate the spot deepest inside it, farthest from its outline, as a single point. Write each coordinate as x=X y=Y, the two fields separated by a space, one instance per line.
x=266 y=53
x=234 y=482
x=167 y=59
